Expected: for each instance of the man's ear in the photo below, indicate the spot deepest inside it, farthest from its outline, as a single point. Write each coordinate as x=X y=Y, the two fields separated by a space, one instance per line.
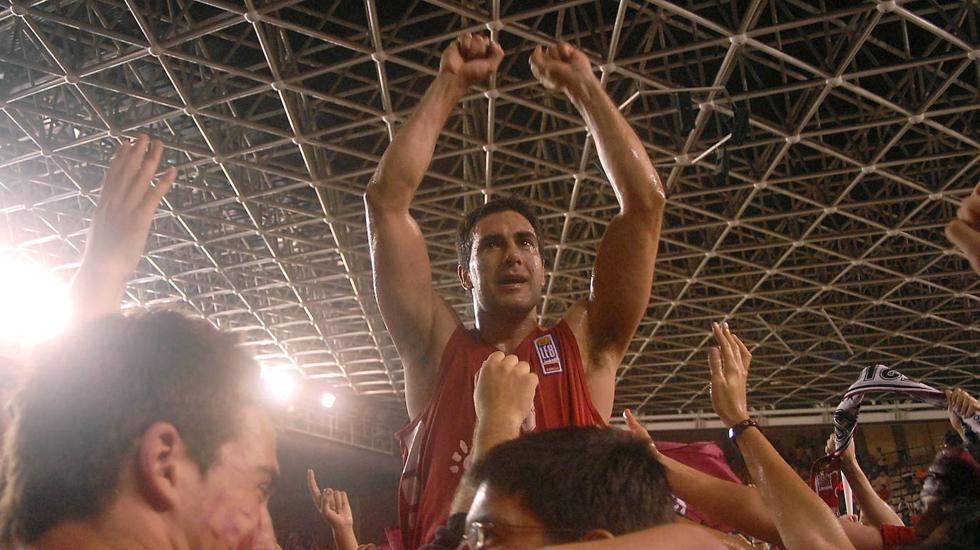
x=464 y=278
x=596 y=534
x=159 y=455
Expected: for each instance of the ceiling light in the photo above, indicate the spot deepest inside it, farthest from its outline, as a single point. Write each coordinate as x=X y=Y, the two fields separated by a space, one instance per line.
x=280 y=384
x=34 y=303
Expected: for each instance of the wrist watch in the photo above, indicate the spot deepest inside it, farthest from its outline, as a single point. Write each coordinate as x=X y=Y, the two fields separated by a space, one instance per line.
x=737 y=429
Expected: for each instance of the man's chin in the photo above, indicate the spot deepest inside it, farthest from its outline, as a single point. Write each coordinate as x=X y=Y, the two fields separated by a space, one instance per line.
x=513 y=306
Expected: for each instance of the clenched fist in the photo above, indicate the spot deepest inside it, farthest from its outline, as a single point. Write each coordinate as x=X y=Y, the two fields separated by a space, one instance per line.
x=504 y=389
x=562 y=67
x=471 y=58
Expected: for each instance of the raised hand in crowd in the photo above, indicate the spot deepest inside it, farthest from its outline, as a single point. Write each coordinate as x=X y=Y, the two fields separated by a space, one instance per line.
x=334 y=508
x=638 y=431
x=729 y=365
x=802 y=519
x=961 y=405
x=846 y=455
x=964 y=230
x=503 y=395
x=471 y=58
x=876 y=512
x=120 y=226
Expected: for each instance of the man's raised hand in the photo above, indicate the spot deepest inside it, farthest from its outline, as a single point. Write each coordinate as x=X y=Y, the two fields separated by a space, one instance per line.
x=120 y=226
x=964 y=231
x=729 y=363
x=471 y=58
x=504 y=389
x=639 y=432
x=846 y=454
x=961 y=405
x=333 y=505
x=125 y=211
x=561 y=67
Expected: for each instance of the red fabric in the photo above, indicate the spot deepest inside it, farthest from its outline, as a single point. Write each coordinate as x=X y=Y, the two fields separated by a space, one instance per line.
x=706 y=457
x=393 y=536
x=436 y=445
x=893 y=536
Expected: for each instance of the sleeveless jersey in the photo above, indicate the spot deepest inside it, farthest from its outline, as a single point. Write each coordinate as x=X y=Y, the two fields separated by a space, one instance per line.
x=436 y=444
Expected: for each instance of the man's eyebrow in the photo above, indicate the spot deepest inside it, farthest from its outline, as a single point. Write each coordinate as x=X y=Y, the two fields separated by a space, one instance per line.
x=526 y=234
x=489 y=236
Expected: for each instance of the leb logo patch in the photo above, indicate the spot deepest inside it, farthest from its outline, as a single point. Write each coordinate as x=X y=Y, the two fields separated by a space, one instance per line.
x=548 y=354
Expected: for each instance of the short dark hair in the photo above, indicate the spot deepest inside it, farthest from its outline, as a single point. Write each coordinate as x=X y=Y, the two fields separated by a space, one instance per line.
x=464 y=234
x=581 y=478
x=953 y=477
x=93 y=392
x=961 y=529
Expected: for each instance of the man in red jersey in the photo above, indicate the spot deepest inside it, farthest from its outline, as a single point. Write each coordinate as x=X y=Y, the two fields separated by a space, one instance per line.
x=500 y=266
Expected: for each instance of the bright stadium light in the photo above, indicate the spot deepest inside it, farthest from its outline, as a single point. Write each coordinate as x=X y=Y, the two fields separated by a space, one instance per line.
x=34 y=303
x=280 y=384
x=327 y=400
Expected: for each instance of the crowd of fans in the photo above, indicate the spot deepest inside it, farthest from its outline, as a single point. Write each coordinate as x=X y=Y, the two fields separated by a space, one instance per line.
x=150 y=431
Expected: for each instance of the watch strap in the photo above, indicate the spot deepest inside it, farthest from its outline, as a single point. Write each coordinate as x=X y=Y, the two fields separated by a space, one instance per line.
x=737 y=429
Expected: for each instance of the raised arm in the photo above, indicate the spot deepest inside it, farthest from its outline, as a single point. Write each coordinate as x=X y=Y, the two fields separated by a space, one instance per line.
x=120 y=226
x=334 y=507
x=874 y=509
x=964 y=230
x=623 y=274
x=503 y=397
x=418 y=320
x=733 y=503
x=803 y=520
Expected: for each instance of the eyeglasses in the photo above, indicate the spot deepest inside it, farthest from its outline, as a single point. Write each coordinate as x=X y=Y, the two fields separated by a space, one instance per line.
x=484 y=534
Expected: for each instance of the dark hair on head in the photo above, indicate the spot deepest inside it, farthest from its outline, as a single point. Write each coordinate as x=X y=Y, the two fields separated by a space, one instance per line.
x=464 y=234
x=960 y=530
x=953 y=477
x=93 y=392
x=581 y=478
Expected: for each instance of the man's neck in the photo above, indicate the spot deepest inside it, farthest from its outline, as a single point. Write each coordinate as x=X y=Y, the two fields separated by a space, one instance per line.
x=505 y=332
x=110 y=532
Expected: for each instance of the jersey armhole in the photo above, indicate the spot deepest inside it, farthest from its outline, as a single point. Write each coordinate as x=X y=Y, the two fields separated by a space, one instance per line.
x=565 y=330
x=437 y=388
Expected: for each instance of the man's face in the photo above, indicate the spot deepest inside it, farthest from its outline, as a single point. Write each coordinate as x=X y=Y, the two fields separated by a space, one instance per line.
x=228 y=504
x=505 y=268
x=505 y=522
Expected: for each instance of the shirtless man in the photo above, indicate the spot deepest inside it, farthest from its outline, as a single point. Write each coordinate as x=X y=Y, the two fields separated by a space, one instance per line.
x=500 y=266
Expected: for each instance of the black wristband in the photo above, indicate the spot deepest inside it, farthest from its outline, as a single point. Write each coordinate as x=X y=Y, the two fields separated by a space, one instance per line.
x=737 y=429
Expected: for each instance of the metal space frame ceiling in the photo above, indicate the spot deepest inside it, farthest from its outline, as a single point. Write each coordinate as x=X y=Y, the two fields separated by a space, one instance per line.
x=822 y=245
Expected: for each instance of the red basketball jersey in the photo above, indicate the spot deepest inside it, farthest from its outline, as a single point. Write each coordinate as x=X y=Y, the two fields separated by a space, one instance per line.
x=436 y=445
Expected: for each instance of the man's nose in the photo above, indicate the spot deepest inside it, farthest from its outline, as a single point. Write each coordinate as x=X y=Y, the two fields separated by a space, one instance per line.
x=513 y=254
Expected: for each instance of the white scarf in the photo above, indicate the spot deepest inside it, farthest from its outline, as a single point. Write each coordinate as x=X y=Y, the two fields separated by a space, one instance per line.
x=881 y=379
